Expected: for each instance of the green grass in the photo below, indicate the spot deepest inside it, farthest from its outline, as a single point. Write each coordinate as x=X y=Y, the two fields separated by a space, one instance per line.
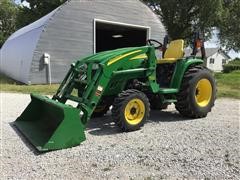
x=9 y=85
x=228 y=85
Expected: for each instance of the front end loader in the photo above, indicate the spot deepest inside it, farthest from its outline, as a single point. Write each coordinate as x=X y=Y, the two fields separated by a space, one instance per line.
x=131 y=80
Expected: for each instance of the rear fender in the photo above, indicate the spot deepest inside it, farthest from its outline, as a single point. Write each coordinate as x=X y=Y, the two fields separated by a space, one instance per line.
x=181 y=67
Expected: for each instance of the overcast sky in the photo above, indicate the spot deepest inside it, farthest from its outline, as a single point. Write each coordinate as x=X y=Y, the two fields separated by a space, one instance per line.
x=19 y=1
x=212 y=43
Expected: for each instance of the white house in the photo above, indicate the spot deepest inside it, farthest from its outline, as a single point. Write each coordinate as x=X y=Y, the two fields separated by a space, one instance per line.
x=216 y=58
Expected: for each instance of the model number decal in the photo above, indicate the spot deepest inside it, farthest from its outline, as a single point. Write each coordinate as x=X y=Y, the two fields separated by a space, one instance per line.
x=99 y=91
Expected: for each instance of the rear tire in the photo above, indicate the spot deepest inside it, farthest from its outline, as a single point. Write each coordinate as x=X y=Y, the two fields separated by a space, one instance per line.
x=197 y=93
x=130 y=110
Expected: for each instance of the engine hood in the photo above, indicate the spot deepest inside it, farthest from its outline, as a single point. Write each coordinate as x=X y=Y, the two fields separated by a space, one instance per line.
x=108 y=57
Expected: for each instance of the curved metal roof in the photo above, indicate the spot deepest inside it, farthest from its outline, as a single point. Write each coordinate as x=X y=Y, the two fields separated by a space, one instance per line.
x=35 y=25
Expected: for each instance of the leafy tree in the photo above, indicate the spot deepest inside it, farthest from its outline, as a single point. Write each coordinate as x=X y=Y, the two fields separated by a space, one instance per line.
x=8 y=14
x=13 y=17
x=230 y=25
x=182 y=17
x=36 y=10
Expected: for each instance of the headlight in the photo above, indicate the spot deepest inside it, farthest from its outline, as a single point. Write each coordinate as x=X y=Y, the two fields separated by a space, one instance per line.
x=95 y=66
x=85 y=66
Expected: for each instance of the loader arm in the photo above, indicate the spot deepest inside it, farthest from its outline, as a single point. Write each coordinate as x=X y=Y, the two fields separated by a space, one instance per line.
x=93 y=77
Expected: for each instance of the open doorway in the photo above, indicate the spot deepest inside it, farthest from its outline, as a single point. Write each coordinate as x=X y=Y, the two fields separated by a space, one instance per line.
x=110 y=35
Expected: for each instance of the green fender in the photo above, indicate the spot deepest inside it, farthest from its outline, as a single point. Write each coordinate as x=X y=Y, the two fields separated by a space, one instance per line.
x=181 y=67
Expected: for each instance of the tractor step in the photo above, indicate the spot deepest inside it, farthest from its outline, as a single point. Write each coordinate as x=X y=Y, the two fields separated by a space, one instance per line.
x=168 y=90
x=170 y=100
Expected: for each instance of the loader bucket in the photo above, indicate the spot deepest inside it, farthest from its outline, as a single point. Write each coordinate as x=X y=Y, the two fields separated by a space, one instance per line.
x=50 y=125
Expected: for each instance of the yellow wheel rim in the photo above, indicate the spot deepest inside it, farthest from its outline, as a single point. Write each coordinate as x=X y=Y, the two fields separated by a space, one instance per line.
x=134 y=111
x=203 y=92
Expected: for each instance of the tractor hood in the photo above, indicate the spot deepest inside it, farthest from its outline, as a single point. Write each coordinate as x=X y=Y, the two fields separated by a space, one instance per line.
x=106 y=56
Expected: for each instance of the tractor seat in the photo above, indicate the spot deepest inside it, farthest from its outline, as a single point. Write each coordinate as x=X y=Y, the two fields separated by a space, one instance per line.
x=173 y=52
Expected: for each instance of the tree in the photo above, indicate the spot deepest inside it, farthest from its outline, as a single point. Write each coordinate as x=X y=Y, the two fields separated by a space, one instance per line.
x=13 y=16
x=182 y=17
x=8 y=14
x=230 y=25
x=36 y=10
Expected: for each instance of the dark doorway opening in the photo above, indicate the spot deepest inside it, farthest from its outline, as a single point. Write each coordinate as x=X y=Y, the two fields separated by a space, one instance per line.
x=111 y=36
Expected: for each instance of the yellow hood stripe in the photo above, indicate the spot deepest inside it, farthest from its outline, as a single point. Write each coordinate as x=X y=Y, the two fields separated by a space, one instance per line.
x=141 y=56
x=121 y=57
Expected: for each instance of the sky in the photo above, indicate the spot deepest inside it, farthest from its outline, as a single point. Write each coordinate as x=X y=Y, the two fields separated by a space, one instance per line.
x=212 y=43
x=24 y=2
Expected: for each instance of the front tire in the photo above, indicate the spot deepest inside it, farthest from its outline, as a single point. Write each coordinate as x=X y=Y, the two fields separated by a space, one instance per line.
x=130 y=110
x=197 y=94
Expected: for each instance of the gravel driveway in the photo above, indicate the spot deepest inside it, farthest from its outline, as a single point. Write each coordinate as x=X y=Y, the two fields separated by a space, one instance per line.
x=167 y=147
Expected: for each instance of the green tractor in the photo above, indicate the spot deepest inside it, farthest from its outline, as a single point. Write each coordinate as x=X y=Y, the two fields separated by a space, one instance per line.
x=131 y=80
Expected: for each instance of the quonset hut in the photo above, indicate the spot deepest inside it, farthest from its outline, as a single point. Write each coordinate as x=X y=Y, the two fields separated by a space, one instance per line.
x=43 y=51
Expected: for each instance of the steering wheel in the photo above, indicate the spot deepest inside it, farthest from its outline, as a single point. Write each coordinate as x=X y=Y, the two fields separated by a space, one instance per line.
x=155 y=43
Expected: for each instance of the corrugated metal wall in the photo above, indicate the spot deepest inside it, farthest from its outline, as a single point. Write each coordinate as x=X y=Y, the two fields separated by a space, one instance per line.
x=68 y=35
x=17 y=52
